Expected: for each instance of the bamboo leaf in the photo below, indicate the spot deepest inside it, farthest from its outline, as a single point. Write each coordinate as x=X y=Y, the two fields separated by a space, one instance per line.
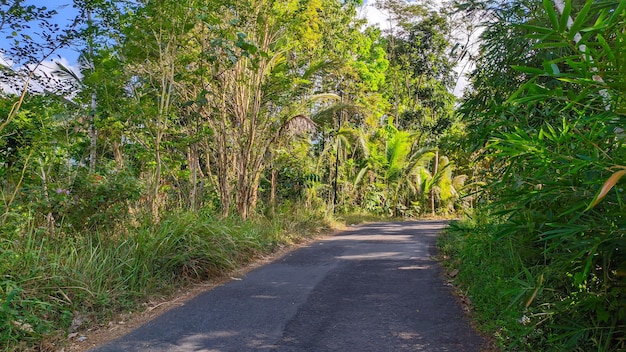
x=547 y=4
x=522 y=89
x=534 y=295
x=526 y=69
x=608 y=185
x=567 y=10
x=551 y=68
x=537 y=29
x=550 y=45
x=580 y=20
x=618 y=13
x=605 y=46
x=360 y=176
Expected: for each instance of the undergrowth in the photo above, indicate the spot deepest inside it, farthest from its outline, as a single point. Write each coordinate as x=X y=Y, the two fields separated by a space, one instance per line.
x=526 y=301
x=53 y=285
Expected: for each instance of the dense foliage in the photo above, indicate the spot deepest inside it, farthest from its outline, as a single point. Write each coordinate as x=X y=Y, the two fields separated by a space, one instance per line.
x=547 y=117
x=194 y=135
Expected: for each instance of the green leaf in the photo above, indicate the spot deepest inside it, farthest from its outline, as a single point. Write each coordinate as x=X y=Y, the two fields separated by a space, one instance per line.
x=537 y=29
x=549 y=7
x=580 y=20
x=567 y=10
x=522 y=89
x=618 y=13
x=551 y=45
x=526 y=69
x=603 y=315
x=551 y=68
x=605 y=46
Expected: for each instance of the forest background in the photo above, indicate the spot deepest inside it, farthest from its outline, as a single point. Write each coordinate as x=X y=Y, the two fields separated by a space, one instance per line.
x=197 y=135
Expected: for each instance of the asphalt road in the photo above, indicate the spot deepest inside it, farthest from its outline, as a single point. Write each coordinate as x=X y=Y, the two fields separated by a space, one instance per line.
x=375 y=287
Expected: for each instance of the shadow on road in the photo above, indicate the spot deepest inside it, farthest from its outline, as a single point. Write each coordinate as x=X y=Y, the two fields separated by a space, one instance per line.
x=374 y=287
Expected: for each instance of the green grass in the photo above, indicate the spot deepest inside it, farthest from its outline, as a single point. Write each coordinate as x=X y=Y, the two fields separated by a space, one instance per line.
x=46 y=282
x=521 y=298
x=486 y=275
x=359 y=218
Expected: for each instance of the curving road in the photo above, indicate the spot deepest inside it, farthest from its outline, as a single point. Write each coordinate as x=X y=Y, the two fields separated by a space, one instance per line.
x=375 y=287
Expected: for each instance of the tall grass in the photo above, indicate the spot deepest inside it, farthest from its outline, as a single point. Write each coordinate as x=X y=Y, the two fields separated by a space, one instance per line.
x=48 y=284
x=494 y=278
x=556 y=153
x=527 y=300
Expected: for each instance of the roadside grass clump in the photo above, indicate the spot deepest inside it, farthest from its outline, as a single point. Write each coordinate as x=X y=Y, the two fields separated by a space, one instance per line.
x=533 y=298
x=555 y=234
x=51 y=286
x=490 y=272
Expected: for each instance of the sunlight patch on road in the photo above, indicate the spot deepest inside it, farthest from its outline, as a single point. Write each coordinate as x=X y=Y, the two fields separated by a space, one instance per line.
x=415 y=267
x=197 y=342
x=372 y=255
x=407 y=335
x=264 y=297
x=372 y=237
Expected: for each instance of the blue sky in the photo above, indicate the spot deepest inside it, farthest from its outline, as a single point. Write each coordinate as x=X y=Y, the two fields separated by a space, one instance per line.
x=67 y=12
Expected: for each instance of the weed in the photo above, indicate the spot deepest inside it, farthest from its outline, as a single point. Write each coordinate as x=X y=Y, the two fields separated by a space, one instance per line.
x=47 y=283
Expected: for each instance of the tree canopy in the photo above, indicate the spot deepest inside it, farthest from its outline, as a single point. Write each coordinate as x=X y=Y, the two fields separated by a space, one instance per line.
x=256 y=109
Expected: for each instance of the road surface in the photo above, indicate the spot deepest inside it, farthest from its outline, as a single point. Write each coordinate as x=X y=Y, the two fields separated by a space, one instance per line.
x=375 y=287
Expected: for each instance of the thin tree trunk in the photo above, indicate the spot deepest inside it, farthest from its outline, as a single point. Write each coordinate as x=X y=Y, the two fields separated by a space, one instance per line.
x=273 y=189
x=417 y=94
x=432 y=188
x=154 y=199
x=44 y=182
x=192 y=163
x=117 y=155
x=17 y=188
x=93 y=133
x=208 y=171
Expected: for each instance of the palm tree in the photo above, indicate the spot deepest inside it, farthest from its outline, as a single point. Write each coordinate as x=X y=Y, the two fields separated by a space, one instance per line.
x=390 y=156
x=441 y=186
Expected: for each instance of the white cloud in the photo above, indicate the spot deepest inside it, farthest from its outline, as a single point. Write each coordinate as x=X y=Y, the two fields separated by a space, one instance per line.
x=45 y=75
x=376 y=17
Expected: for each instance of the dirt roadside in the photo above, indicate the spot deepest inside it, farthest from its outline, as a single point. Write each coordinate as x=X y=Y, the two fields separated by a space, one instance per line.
x=124 y=323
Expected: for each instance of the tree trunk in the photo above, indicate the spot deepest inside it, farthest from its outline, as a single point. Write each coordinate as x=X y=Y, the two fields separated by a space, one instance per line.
x=154 y=199
x=192 y=164
x=117 y=155
x=273 y=189
x=417 y=94
x=93 y=135
x=50 y=222
x=223 y=182
x=432 y=188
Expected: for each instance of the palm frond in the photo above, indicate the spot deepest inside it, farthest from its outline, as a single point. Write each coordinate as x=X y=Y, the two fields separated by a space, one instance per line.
x=67 y=73
x=326 y=117
x=459 y=181
x=360 y=175
x=299 y=124
x=398 y=148
x=318 y=67
x=419 y=158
